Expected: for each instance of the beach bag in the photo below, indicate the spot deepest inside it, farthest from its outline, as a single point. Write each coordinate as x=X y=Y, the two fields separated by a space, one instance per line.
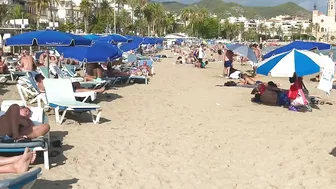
x=300 y=99
x=293 y=92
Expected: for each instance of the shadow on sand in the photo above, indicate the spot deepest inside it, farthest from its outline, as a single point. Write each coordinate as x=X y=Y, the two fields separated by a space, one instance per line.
x=55 y=184
x=107 y=97
x=57 y=149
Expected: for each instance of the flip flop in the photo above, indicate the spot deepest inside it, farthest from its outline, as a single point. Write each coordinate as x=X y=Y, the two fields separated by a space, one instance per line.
x=329 y=103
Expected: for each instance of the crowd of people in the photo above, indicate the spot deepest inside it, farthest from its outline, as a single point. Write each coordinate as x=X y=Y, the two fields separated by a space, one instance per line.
x=268 y=93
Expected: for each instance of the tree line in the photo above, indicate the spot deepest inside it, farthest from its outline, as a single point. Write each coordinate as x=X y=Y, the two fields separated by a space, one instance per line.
x=150 y=18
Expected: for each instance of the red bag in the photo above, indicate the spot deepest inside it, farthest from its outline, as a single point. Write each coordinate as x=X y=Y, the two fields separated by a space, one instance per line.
x=293 y=92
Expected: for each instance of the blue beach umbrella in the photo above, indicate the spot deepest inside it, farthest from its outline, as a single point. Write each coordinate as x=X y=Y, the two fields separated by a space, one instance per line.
x=299 y=45
x=48 y=38
x=98 y=52
x=149 y=41
x=92 y=36
x=133 y=45
x=243 y=50
x=114 y=38
x=285 y=64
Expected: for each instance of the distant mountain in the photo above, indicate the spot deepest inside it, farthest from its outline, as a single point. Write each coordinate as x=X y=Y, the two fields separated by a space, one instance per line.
x=224 y=9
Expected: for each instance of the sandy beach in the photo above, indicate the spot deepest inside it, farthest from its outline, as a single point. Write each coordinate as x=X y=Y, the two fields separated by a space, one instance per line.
x=184 y=130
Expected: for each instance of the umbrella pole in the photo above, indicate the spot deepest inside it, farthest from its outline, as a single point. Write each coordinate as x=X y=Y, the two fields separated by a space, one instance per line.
x=48 y=65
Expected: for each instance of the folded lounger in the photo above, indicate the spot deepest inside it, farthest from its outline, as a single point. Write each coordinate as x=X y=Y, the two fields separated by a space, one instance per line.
x=66 y=101
x=38 y=144
x=21 y=181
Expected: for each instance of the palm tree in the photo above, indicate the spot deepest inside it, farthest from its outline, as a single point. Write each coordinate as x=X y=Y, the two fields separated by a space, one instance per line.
x=186 y=15
x=316 y=28
x=149 y=15
x=309 y=30
x=279 y=32
x=85 y=8
x=126 y=21
x=51 y=4
x=170 y=24
x=300 y=29
x=4 y=10
x=272 y=28
x=16 y=13
x=105 y=13
x=39 y=5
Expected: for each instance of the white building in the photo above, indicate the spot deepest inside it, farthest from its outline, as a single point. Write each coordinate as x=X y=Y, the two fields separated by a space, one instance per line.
x=325 y=25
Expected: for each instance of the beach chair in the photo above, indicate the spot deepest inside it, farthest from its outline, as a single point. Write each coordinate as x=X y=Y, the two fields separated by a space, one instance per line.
x=64 y=75
x=132 y=58
x=38 y=144
x=28 y=86
x=66 y=101
x=69 y=69
x=149 y=63
x=106 y=80
x=21 y=181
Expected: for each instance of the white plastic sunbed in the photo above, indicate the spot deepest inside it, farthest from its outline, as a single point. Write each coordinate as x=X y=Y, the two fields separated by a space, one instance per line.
x=66 y=101
x=31 y=83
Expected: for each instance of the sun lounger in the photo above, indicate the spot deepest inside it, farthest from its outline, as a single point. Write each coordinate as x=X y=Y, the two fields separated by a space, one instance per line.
x=38 y=144
x=66 y=101
x=85 y=95
x=21 y=181
x=28 y=85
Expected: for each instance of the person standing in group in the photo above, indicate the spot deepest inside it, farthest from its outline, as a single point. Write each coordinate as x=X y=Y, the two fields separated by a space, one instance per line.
x=201 y=53
x=331 y=54
x=220 y=52
x=257 y=52
x=228 y=59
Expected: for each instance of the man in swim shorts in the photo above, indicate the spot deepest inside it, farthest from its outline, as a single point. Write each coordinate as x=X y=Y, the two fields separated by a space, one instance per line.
x=228 y=59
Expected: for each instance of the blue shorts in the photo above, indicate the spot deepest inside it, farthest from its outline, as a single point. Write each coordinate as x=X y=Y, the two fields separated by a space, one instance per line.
x=227 y=64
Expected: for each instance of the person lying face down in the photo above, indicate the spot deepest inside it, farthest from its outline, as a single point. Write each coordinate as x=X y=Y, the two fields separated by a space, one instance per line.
x=16 y=123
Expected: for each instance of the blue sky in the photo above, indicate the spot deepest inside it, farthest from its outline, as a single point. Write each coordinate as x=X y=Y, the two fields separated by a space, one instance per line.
x=308 y=4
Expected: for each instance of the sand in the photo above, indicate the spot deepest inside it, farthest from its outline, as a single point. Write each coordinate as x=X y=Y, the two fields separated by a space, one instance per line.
x=183 y=131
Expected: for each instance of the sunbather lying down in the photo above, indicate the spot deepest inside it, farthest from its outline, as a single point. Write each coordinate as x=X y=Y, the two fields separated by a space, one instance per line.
x=16 y=123
x=270 y=94
x=17 y=164
x=75 y=85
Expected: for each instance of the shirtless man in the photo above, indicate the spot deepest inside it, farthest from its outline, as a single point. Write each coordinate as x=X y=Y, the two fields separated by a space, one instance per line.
x=228 y=59
x=43 y=56
x=16 y=124
x=257 y=52
x=27 y=62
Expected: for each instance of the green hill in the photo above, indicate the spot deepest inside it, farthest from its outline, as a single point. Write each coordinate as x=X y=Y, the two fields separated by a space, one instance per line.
x=224 y=9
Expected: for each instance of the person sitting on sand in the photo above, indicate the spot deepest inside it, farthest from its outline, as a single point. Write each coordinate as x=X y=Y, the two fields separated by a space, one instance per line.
x=75 y=85
x=16 y=124
x=17 y=164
